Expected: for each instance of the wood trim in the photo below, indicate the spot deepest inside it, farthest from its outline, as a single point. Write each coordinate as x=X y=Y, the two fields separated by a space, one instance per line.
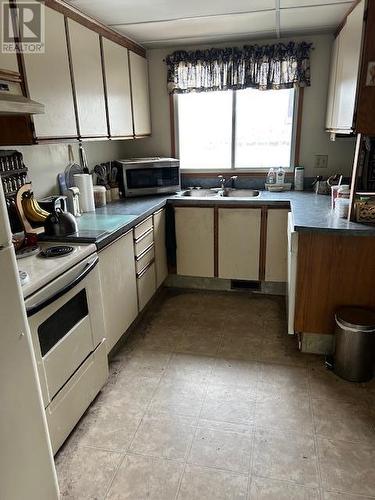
x=172 y=126
x=49 y=140
x=70 y=61
x=297 y=146
x=353 y=186
x=104 y=85
x=93 y=24
x=263 y=243
x=216 y=242
x=10 y=76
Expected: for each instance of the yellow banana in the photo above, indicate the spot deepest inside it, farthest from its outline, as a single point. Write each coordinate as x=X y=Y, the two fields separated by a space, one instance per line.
x=31 y=211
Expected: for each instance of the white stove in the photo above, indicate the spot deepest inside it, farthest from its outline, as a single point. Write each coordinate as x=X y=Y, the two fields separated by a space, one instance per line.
x=38 y=271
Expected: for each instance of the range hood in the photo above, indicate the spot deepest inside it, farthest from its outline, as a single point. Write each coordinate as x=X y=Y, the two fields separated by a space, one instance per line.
x=19 y=105
x=13 y=102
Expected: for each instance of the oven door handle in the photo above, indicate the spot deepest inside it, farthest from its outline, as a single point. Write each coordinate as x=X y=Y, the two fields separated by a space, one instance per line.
x=65 y=289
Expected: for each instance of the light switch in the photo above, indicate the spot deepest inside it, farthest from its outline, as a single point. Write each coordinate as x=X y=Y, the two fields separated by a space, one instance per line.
x=321 y=161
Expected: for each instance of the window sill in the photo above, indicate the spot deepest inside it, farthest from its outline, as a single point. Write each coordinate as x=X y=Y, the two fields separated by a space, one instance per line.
x=232 y=171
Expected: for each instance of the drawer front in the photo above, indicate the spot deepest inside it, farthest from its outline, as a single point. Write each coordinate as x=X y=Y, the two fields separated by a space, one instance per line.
x=145 y=259
x=143 y=227
x=146 y=284
x=144 y=242
x=71 y=402
x=66 y=356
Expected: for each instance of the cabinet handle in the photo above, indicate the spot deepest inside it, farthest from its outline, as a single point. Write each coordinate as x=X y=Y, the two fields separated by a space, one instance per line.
x=145 y=269
x=140 y=238
x=144 y=252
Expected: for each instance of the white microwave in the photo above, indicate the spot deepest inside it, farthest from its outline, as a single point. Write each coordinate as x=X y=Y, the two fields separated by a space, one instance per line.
x=143 y=176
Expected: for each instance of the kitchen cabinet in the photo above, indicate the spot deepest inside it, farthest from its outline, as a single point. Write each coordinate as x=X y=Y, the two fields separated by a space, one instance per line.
x=239 y=243
x=161 y=266
x=88 y=80
x=119 y=289
x=146 y=285
x=276 y=266
x=195 y=241
x=48 y=78
x=345 y=65
x=117 y=78
x=140 y=94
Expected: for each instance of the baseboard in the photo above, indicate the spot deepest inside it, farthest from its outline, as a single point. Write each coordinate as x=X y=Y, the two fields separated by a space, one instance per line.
x=315 y=343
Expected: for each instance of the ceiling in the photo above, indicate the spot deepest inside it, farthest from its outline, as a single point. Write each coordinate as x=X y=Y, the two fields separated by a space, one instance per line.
x=155 y=23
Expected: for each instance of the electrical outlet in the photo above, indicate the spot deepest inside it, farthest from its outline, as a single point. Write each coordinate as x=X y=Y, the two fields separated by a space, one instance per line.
x=321 y=161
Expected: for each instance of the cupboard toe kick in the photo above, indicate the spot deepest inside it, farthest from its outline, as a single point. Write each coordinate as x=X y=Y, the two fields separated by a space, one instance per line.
x=232 y=243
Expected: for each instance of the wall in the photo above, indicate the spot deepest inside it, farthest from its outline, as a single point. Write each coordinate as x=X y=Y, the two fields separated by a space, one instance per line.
x=46 y=161
x=314 y=140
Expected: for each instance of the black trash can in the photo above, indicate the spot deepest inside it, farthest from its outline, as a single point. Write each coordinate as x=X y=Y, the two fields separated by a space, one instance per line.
x=354 y=344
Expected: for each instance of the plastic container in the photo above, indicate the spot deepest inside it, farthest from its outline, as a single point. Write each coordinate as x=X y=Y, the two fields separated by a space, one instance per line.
x=299 y=174
x=100 y=196
x=342 y=207
x=343 y=191
x=354 y=344
x=271 y=176
x=280 y=175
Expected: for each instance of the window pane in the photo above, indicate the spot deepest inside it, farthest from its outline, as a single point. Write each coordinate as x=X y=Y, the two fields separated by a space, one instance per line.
x=205 y=129
x=264 y=123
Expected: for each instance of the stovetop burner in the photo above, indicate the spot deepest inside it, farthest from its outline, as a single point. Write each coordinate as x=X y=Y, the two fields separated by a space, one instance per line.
x=57 y=251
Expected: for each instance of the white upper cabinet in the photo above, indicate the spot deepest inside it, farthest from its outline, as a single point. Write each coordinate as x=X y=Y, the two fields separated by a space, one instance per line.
x=49 y=81
x=88 y=80
x=116 y=68
x=346 y=58
x=140 y=94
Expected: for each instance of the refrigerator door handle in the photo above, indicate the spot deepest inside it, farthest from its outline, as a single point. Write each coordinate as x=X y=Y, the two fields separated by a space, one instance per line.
x=65 y=289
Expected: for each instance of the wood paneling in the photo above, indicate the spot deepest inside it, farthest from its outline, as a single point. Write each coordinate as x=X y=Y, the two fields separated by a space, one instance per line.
x=365 y=119
x=332 y=271
x=94 y=25
x=15 y=130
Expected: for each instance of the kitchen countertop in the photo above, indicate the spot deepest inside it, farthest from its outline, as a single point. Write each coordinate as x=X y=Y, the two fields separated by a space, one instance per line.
x=310 y=213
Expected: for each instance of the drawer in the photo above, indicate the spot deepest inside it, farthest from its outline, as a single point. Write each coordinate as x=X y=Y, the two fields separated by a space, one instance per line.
x=145 y=258
x=144 y=242
x=72 y=401
x=142 y=228
x=66 y=356
x=146 y=284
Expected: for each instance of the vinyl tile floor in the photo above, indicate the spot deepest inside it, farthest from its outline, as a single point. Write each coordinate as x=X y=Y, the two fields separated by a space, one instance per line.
x=208 y=398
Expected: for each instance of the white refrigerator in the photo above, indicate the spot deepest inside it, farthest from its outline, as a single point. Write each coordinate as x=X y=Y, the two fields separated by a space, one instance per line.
x=27 y=470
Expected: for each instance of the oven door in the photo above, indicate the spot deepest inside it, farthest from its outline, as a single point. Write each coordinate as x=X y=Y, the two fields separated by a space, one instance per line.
x=66 y=322
x=143 y=180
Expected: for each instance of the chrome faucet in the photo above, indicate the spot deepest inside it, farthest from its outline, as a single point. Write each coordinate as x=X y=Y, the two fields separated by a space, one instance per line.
x=223 y=181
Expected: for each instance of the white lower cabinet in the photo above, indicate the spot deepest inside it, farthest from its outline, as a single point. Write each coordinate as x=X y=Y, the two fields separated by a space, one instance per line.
x=277 y=245
x=161 y=266
x=146 y=285
x=195 y=241
x=239 y=243
x=119 y=288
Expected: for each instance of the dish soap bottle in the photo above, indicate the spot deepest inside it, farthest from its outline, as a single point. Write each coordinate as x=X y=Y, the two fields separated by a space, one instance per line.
x=271 y=176
x=280 y=175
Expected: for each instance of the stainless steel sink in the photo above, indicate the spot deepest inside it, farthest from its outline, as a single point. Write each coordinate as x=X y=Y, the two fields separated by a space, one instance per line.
x=198 y=193
x=239 y=193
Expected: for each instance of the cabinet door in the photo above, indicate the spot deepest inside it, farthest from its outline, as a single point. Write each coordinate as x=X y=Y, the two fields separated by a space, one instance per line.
x=160 y=248
x=49 y=82
x=332 y=83
x=140 y=94
x=146 y=286
x=88 y=80
x=119 y=289
x=116 y=67
x=195 y=241
x=277 y=245
x=349 y=55
x=239 y=243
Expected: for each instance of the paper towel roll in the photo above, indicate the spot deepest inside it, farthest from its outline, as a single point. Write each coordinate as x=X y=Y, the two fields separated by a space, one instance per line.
x=86 y=192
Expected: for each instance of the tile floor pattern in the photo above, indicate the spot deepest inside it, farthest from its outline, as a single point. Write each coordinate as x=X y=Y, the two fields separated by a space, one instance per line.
x=210 y=399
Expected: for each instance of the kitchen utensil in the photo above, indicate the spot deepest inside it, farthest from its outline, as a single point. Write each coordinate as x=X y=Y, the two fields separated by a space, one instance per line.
x=83 y=159
x=113 y=179
x=62 y=184
x=101 y=175
x=50 y=203
x=60 y=223
x=73 y=201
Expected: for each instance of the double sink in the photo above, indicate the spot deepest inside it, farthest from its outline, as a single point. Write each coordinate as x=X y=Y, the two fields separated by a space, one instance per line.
x=215 y=193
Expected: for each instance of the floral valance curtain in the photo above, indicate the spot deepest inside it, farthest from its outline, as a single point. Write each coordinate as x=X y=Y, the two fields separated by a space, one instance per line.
x=277 y=66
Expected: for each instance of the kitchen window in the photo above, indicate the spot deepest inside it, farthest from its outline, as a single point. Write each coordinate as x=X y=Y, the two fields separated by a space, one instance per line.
x=244 y=129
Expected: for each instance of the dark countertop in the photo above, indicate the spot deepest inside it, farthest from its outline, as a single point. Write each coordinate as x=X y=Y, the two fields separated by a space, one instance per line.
x=310 y=213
